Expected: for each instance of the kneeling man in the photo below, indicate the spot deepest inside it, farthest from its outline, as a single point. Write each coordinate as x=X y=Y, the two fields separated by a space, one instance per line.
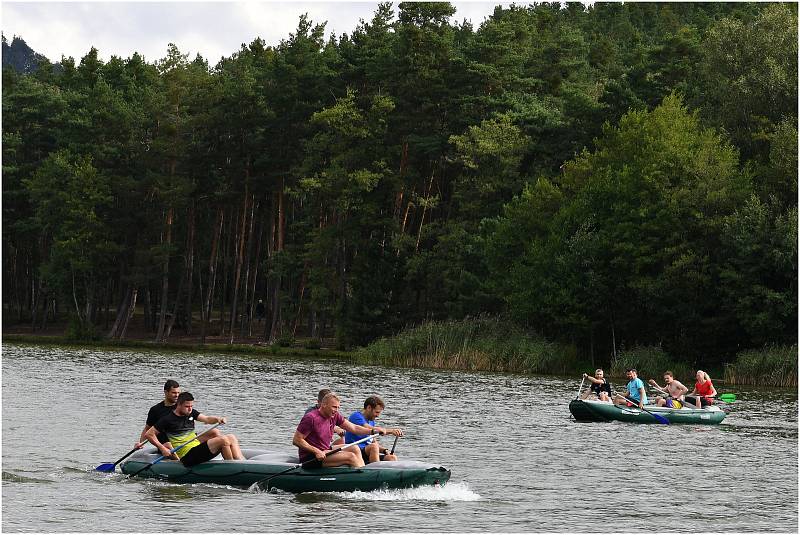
x=178 y=425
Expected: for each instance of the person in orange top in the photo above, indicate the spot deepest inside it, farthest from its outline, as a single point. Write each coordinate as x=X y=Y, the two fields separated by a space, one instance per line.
x=703 y=392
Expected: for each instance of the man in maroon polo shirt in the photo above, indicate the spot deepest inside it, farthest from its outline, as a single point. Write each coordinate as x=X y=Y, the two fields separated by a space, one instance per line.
x=315 y=431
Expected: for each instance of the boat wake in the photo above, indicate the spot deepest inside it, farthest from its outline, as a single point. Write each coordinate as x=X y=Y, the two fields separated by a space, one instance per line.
x=11 y=477
x=452 y=492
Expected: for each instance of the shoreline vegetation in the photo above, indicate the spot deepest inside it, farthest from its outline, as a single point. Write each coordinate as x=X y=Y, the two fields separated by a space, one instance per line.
x=482 y=344
x=615 y=179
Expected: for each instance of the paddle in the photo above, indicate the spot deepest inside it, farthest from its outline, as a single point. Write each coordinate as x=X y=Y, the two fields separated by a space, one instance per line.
x=393 y=445
x=660 y=419
x=173 y=450
x=109 y=467
x=580 y=387
x=257 y=484
x=725 y=398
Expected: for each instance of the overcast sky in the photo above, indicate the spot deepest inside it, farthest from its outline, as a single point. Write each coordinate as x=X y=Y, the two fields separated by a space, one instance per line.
x=214 y=29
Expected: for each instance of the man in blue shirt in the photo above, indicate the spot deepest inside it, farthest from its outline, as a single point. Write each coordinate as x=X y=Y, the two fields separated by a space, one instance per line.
x=371 y=450
x=636 y=391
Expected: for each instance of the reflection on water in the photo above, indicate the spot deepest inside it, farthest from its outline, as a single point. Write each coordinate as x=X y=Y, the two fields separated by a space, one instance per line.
x=518 y=461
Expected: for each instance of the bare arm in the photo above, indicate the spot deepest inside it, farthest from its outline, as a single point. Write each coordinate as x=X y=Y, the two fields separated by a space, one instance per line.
x=299 y=440
x=347 y=425
x=592 y=379
x=211 y=419
x=142 y=437
x=152 y=436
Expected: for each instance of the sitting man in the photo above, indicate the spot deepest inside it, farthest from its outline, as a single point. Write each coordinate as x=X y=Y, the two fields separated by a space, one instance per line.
x=178 y=425
x=600 y=386
x=315 y=431
x=635 y=391
x=370 y=450
x=338 y=430
x=674 y=390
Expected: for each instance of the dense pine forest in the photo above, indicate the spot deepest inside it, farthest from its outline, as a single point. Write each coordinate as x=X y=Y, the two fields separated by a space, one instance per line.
x=609 y=176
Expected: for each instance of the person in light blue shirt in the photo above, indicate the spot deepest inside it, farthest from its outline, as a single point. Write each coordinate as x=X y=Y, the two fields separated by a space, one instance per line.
x=635 y=391
x=370 y=450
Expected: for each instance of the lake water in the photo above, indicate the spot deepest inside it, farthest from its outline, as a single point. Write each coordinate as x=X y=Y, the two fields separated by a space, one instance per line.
x=518 y=460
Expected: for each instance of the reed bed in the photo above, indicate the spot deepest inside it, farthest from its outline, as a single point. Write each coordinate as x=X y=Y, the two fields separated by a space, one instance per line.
x=769 y=366
x=483 y=343
x=651 y=362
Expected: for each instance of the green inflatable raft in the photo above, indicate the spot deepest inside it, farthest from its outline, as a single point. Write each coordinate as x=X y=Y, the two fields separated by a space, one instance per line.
x=261 y=464
x=603 y=411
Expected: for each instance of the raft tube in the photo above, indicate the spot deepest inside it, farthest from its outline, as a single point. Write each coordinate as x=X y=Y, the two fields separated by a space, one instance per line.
x=603 y=411
x=261 y=464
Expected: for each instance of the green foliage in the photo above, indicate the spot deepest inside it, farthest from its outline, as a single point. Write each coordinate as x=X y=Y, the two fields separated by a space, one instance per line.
x=483 y=343
x=632 y=245
x=313 y=343
x=81 y=331
x=285 y=340
x=759 y=276
x=618 y=174
x=774 y=365
x=650 y=362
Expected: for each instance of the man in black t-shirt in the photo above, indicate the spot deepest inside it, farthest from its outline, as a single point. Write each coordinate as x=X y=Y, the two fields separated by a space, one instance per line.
x=162 y=408
x=159 y=410
x=178 y=425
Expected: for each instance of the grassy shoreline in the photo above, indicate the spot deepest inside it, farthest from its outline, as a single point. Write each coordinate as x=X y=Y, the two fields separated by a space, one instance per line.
x=481 y=344
x=266 y=350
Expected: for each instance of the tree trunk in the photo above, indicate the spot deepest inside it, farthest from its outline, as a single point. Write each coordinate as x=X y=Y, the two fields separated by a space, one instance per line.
x=212 y=272
x=254 y=282
x=129 y=315
x=276 y=296
x=239 y=262
x=190 y=266
x=300 y=299
x=162 y=319
x=247 y=306
x=122 y=312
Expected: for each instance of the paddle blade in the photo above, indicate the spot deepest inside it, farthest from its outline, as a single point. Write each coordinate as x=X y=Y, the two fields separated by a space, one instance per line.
x=660 y=419
x=106 y=467
x=728 y=398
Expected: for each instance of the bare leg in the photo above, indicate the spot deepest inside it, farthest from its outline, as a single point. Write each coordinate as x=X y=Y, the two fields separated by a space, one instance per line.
x=344 y=457
x=373 y=452
x=235 y=449
x=213 y=433
x=221 y=445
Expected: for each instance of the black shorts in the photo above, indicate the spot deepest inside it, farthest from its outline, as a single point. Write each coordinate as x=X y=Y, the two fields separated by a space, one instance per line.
x=313 y=462
x=704 y=401
x=198 y=454
x=365 y=455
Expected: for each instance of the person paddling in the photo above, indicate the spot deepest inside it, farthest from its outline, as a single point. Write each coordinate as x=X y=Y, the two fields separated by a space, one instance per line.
x=337 y=430
x=600 y=386
x=636 y=391
x=674 y=388
x=171 y=392
x=704 y=391
x=315 y=431
x=371 y=450
x=159 y=410
x=178 y=425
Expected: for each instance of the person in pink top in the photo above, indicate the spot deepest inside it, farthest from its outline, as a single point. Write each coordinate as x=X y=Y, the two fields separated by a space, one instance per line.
x=703 y=392
x=315 y=431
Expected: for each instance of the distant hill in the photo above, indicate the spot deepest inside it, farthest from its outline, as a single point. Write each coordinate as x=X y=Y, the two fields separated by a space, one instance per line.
x=20 y=56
